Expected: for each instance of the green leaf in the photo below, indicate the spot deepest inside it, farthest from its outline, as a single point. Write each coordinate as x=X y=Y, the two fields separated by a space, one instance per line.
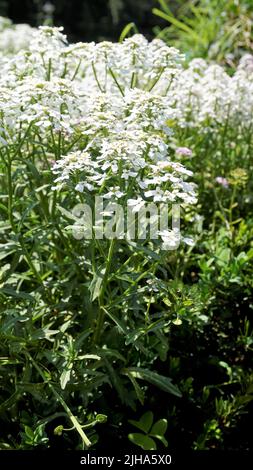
x=121 y=326
x=145 y=442
x=136 y=334
x=67 y=214
x=34 y=171
x=165 y=6
x=117 y=383
x=65 y=378
x=177 y=321
x=159 y=428
x=111 y=352
x=177 y=23
x=126 y=31
x=160 y=381
x=5 y=254
x=96 y=283
x=29 y=432
x=162 y=439
x=223 y=256
x=19 y=295
x=139 y=392
x=145 y=422
x=146 y=251
x=12 y=400
x=44 y=333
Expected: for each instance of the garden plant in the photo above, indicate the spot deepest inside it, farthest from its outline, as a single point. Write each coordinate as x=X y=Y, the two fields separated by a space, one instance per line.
x=113 y=328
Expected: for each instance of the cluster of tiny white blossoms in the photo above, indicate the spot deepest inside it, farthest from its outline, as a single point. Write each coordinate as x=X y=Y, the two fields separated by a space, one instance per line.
x=125 y=123
x=14 y=38
x=206 y=96
x=106 y=106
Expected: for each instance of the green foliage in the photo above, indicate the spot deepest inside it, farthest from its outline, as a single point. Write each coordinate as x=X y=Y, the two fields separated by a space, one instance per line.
x=215 y=29
x=150 y=429
x=184 y=351
x=50 y=364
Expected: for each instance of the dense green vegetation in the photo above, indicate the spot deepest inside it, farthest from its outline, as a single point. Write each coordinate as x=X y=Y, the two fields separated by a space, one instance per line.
x=113 y=341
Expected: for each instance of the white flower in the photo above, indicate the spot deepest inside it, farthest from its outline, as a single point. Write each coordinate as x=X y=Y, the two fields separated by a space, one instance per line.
x=170 y=239
x=79 y=187
x=189 y=241
x=136 y=204
x=103 y=112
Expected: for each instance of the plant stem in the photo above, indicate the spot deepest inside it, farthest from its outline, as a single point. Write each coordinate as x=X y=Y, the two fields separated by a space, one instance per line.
x=10 y=195
x=58 y=397
x=101 y=313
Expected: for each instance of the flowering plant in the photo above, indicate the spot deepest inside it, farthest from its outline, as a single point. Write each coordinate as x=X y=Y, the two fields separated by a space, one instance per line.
x=93 y=136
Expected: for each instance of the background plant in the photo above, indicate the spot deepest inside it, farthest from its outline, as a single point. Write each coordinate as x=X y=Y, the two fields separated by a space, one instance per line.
x=217 y=30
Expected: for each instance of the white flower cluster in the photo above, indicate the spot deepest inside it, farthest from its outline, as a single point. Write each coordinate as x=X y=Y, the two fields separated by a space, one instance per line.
x=83 y=87
x=205 y=96
x=109 y=107
x=14 y=38
x=104 y=102
x=104 y=112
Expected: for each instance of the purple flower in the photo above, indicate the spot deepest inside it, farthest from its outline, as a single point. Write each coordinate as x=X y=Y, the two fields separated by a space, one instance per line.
x=222 y=181
x=184 y=151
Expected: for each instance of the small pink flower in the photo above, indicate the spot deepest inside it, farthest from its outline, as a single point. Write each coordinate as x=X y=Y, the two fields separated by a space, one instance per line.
x=184 y=151
x=222 y=181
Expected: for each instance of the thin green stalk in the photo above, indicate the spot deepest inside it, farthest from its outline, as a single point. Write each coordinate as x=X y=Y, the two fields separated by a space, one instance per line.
x=29 y=260
x=116 y=81
x=49 y=70
x=96 y=77
x=232 y=204
x=76 y=71
x=156 y=80
x=9 y=177
x=10 y=194
x=101 y=313
x=59 y=398
x=222 y=210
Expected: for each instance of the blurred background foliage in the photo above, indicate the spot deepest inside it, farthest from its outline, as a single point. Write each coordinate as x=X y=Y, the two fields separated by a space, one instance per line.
x=85 y=19
x=218 y=30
